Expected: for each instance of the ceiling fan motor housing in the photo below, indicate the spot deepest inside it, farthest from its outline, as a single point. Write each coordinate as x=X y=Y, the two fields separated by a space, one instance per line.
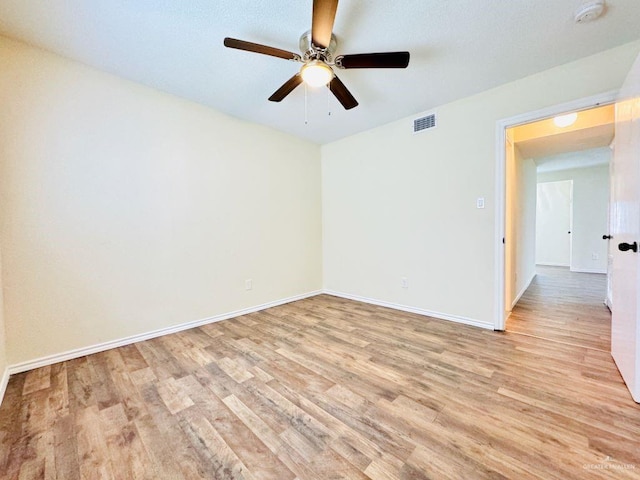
x=311 y=51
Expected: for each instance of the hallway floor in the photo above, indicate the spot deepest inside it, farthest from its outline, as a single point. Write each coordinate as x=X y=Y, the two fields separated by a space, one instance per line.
x=566 y=307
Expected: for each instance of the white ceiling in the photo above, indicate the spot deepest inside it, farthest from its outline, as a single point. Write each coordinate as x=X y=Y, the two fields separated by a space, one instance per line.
x=458 y=47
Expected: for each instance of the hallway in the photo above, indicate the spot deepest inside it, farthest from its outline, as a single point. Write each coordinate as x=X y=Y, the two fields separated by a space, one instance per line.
x=566 y=307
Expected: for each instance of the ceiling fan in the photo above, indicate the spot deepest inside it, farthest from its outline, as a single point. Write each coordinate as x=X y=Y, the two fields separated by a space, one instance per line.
x=318 y=46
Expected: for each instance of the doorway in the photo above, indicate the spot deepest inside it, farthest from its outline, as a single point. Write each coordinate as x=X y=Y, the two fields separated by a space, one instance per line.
x=550 y=162
x=516 y=252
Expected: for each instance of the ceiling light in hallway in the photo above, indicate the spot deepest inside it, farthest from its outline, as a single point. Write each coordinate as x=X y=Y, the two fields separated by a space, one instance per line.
x=565 y=120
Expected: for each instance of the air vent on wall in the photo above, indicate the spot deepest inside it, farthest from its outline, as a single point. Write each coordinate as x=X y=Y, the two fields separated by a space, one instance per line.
x=424 y=123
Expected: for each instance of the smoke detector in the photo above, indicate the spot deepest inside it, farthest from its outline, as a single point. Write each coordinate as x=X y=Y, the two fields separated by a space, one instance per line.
x=589 y=11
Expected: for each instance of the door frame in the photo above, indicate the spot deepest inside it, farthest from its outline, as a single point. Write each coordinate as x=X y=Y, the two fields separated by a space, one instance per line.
x=586 y=103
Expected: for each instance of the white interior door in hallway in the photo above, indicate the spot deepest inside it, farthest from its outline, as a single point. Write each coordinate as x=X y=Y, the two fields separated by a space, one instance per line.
x=553 y=223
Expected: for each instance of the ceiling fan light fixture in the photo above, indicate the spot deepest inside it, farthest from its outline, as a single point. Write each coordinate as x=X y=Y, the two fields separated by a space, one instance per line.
x=316 y=73
x=565 y=120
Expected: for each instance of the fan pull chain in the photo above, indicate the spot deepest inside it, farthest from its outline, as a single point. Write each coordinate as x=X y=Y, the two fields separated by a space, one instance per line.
x=306 y=119
x=328 y=101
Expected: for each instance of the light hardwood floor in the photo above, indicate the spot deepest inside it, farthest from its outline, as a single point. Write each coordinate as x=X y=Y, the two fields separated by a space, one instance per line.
x=565 y=306
x=325 y=388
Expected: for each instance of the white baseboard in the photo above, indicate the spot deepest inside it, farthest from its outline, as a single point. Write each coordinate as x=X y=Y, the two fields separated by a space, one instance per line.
x=588 y=270
x=406 y=308
x=3 y=384
x=101 y=347
x=526 y=285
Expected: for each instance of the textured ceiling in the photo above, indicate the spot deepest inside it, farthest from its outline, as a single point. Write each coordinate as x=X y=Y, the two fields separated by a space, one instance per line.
x=458 y=47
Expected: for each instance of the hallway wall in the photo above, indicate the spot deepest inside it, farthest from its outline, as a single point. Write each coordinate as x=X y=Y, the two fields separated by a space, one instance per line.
x=520 y=223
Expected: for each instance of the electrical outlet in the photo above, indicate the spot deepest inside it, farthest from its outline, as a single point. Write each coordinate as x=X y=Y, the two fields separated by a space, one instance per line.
x=480 y=202
x=404 y=283
x=595 y=256
x=248 y=284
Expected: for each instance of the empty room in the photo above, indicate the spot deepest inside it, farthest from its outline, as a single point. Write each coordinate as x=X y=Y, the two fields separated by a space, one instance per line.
x=274 y=240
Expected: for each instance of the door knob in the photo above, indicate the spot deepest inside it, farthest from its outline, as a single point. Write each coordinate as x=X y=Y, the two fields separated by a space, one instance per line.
x=623 y=247
x=607 y=237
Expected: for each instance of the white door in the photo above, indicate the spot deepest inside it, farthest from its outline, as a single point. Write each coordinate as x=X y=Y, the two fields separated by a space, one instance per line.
x=625 y=229
x=553 y=223
x=607 y=237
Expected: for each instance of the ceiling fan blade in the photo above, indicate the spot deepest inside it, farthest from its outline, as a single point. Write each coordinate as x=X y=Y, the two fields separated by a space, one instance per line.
x=257 y=48
x=286 y=88
x=342 y=94
x=374 y=60
x=324 y=14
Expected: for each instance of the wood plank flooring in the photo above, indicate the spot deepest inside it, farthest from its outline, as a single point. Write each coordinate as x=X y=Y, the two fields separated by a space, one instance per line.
x=565 y=306
x=325 y=388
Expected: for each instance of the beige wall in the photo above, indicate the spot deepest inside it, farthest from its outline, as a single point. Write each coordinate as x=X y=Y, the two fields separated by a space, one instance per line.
x=510 y=170
x=3 y=347
x=590 y=215
x=520 y=222
x=399 y=205
x=525 y=238
x=125 y=210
